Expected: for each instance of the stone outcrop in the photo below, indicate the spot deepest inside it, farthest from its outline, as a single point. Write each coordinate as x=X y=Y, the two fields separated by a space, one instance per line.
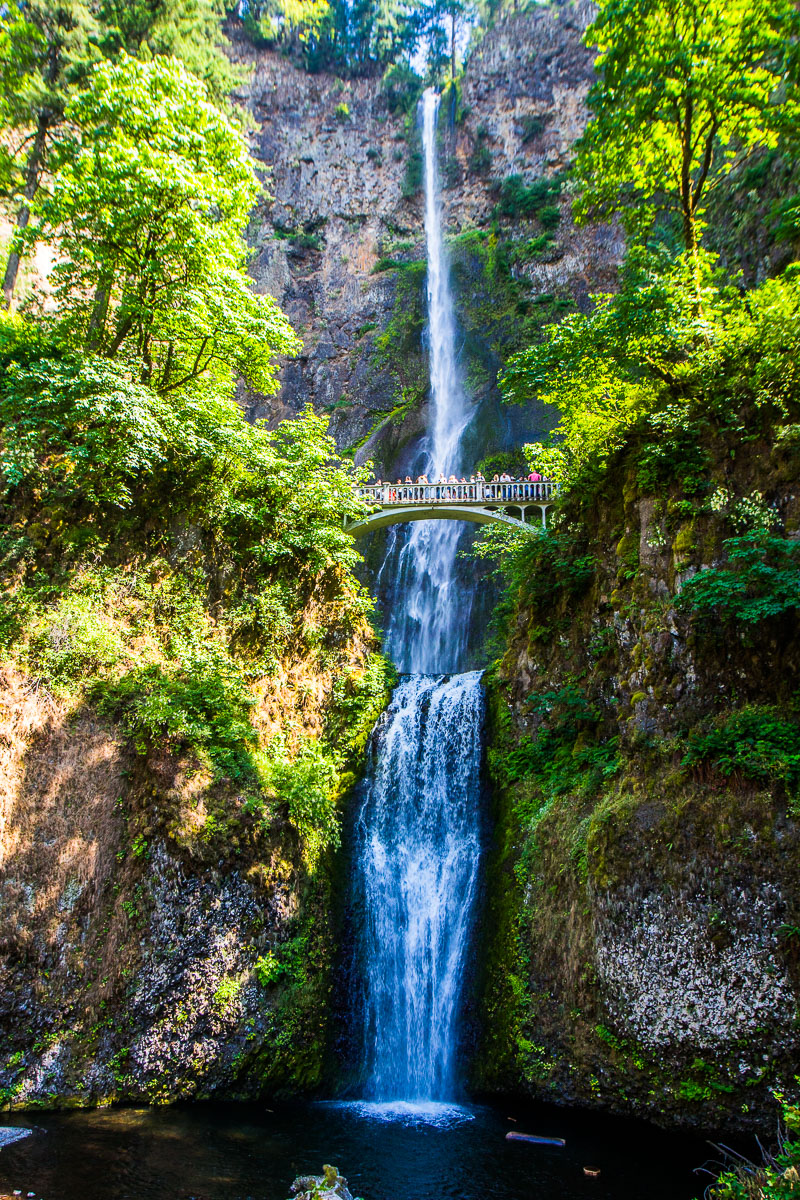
x=338 y=163
x=330 y=1185
x=163 y=936
x=643 y=913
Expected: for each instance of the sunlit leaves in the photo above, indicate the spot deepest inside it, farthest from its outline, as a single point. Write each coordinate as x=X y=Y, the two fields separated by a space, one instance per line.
x=686 y=88
x=650 y=349
x=147 y=214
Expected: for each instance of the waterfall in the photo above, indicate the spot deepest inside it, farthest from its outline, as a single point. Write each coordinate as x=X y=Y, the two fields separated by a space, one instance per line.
x=417 y=840
x=427 y=629
x=418 y=846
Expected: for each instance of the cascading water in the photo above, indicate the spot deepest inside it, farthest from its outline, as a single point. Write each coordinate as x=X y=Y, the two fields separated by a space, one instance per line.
x=428 y=628
x=418 y=844
x=417 y=840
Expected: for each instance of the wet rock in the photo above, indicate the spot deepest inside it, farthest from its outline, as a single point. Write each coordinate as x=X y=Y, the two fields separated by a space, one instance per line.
x=328 y=1186
x=12 y=1133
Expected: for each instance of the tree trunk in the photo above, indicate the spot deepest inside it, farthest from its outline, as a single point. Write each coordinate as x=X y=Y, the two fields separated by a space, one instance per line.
x=24 y=215
x=97 y=321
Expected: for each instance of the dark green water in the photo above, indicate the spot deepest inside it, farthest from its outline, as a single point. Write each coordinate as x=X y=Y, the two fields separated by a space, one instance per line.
x=229 y=1152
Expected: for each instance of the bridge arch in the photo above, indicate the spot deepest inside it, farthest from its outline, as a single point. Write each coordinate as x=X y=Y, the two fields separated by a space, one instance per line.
x=420 y=512
x=480 y=503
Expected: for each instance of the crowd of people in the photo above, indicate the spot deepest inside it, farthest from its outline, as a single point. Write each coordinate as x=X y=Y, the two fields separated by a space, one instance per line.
x=534 y=477
x=450 y=487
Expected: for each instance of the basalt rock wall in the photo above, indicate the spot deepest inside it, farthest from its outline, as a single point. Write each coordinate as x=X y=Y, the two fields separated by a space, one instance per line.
x=641 y=939
x=341 y=246
x=161 y=938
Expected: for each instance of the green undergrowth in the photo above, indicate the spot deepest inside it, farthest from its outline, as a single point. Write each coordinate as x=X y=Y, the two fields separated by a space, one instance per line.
x=161 y=557
x=776 y=1177
x=655 y=740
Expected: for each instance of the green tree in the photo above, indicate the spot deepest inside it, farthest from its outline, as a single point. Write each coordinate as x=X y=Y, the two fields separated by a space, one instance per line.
x=686 y=89
x=190 y=30
x=645 y=352
x=148 y=212
x=353 y=37
x=45 y=52
x=440 y=24
x=298 y=23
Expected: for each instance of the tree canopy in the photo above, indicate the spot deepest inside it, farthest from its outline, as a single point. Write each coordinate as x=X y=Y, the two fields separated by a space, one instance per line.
x=47 y=52
x=148 y=211
x=686 y=89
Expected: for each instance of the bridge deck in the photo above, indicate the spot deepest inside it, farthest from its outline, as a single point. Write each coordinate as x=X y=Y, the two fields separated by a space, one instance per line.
x=386 y=494
x=480 y=503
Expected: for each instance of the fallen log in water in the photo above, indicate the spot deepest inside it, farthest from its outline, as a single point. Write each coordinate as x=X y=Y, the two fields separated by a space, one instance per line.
x=532 y=1137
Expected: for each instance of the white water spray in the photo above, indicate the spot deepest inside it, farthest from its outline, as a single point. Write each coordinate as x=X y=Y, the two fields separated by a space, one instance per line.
x=418 y=846
x=417 y=840
x=428 y=629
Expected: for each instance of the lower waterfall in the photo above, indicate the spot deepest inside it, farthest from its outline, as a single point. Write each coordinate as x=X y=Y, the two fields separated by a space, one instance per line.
x=418 y=847
x=417 y=833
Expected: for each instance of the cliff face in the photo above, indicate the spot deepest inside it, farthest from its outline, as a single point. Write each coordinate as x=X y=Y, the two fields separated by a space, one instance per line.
x=341 y=245
x=162 y=938
x=641 y=938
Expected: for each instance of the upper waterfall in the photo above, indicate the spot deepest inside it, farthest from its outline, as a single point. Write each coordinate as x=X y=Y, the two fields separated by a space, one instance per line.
x=428 y=631
x=450 y=412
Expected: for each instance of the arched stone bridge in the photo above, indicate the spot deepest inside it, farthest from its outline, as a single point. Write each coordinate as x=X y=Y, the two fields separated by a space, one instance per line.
x=480 y=503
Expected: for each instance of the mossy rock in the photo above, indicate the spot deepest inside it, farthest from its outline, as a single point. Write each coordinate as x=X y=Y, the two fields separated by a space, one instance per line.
x=684 y=542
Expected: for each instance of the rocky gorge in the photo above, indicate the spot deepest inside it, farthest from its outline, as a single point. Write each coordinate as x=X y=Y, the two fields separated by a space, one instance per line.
x=165 y=939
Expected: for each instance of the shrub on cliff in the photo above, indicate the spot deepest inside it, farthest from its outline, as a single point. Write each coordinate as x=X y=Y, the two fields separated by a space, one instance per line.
x=159 y=554
x=651 y=359
x=777 y=1178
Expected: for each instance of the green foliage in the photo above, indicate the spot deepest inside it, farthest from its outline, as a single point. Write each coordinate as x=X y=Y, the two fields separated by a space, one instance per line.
x=74 y=640
x=777 y=1178
x=559 y=755
x=350 y=39
x=189 y=30
x=549 y=566
x=87 y=438
x=647 y=351
x=480 y=160
x=306 y=780
x=302 y=24
x=545 y=568
x=342 y=111
x=47 y=53
x=398 y=348
x=203 y=704
x=496 y=310
x=109 y=467
x=759 y=580
x=668 y=124
x=148 y=211
x=80 y=425
x=402 y=88
x=412 y=180
x=518 y=199
x=227 y=994
x=759 y=743
x=533 y=126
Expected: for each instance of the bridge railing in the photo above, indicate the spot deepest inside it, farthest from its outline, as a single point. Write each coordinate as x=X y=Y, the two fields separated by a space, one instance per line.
x=387 y=494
